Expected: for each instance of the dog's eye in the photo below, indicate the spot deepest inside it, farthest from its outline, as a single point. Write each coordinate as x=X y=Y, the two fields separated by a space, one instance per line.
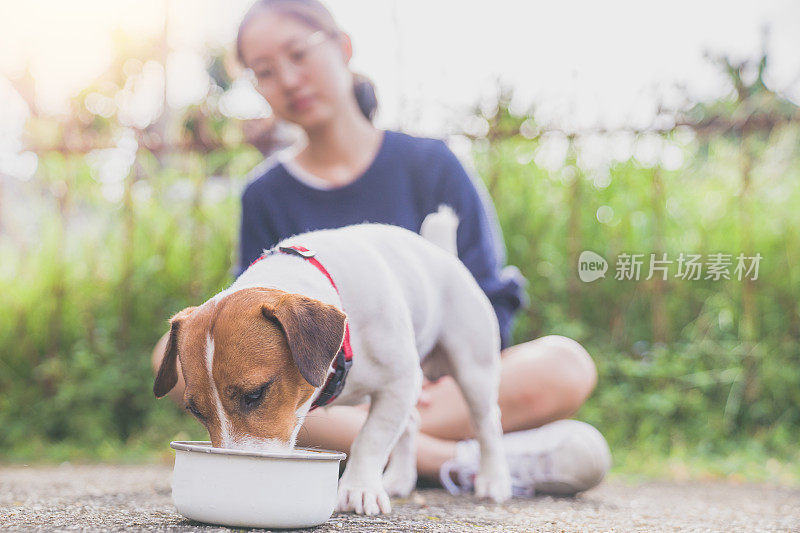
x=252 y=399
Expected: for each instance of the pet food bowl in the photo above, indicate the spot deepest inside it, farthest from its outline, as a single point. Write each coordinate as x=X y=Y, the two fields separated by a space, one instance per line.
x=254 y=489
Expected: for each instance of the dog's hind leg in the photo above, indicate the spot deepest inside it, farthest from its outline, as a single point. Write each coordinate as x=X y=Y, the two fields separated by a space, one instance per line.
x=472 y=347
x=400 y=476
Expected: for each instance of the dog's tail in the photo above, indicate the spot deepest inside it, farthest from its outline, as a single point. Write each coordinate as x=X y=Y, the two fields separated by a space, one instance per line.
x=440 y=228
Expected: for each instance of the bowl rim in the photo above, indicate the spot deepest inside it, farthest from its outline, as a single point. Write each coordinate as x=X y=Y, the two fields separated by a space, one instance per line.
x=303 y=454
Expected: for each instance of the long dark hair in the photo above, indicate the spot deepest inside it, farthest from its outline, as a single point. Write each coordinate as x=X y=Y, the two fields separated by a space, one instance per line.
x=316 y=16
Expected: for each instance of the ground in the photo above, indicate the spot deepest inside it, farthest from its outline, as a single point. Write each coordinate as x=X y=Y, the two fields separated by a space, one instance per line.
x=137 y=498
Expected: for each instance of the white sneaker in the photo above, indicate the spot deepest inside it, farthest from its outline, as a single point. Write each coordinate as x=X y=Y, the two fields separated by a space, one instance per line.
x=564 y=457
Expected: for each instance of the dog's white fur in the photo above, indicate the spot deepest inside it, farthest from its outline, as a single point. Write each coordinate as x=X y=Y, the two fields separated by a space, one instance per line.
x=408 y=301
x=225 y=425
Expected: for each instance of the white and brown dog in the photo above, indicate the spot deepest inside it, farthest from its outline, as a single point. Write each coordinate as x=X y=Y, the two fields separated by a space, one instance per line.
x=258 y=356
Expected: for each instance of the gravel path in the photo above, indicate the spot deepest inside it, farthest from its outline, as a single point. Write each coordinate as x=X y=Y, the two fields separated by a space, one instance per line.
x=137 y=498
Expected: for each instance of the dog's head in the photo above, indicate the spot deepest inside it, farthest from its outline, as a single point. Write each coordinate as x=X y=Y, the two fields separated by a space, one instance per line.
x=251 y=361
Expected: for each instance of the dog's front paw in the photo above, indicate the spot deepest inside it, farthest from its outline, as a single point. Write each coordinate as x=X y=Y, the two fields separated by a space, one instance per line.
x=493 y=482
x=361 y=500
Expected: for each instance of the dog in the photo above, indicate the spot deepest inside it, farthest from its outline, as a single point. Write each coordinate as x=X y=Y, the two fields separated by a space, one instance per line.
x=345 y=316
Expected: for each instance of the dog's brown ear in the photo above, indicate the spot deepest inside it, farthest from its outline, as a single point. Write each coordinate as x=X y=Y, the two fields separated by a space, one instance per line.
x=314 y=331
x=168 y=372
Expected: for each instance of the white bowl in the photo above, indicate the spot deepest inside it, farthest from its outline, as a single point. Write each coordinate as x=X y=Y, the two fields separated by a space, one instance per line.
x=254 y=489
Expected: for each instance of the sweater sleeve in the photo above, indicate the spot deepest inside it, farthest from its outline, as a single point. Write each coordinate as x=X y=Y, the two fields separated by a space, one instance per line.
x=480 y=240
x=255 y=234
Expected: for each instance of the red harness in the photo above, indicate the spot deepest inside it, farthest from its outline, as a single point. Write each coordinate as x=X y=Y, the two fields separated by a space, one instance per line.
x=344 y=358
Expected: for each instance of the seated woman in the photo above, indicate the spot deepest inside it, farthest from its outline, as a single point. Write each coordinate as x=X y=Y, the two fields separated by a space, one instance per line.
x=349 y=172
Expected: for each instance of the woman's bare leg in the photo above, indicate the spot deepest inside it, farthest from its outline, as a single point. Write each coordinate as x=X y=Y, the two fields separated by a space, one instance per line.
x=335 y=427
x=176 y=394
x=541 y=381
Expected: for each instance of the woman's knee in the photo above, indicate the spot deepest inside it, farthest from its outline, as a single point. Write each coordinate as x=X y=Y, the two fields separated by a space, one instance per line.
x=561 y=374
x=158 y=352
x=580 y=371
x=176 y=394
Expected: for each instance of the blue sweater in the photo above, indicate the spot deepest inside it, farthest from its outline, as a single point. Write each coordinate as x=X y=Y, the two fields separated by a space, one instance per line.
x=408 y=179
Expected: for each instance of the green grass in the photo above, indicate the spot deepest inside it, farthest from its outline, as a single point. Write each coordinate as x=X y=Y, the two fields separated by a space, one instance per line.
x=746 y=462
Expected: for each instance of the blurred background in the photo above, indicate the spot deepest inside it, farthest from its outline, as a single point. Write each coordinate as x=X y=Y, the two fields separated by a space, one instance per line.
x=128 y=131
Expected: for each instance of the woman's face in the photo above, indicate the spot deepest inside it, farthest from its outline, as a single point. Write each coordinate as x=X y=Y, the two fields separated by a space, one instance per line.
x=301 y=72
